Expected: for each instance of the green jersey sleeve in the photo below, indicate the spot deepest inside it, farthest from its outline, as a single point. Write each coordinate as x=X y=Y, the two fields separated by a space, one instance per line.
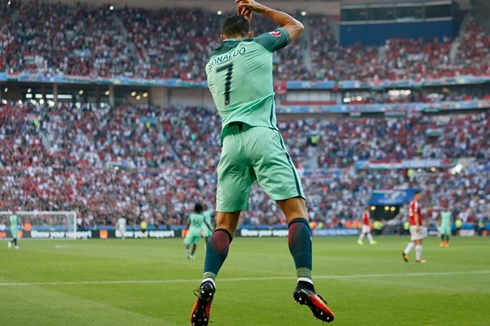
x=274 y=40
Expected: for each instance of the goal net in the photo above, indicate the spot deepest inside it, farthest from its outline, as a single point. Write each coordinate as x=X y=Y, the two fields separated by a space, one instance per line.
x=42 y=224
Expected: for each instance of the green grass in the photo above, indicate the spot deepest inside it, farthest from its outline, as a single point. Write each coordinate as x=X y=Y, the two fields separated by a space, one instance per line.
x=149 y=282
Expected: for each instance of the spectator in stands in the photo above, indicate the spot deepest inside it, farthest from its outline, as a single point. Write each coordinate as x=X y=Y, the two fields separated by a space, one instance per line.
x=81 y=40
x=105 y=162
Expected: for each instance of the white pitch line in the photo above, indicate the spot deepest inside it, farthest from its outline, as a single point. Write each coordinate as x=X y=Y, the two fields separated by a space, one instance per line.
x=241 y=279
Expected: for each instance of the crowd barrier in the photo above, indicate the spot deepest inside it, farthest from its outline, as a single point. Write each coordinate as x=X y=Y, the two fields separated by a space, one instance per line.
x=467 y=229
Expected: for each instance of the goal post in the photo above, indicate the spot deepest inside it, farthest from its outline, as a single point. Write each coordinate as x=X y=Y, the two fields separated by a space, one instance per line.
x=44 y=224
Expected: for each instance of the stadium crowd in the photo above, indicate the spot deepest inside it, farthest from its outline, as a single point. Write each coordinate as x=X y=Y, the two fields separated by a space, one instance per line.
x=473 y=56
x=171 y=43
x=77 y=39
x=346 y=141
x=155 y=163
x=64 y=39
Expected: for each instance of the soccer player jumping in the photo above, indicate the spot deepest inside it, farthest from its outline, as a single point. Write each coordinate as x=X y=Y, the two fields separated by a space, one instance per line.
x=240 y=79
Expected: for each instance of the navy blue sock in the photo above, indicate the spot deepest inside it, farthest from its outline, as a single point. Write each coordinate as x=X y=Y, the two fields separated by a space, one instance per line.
x=216 y=252
x=300 y=246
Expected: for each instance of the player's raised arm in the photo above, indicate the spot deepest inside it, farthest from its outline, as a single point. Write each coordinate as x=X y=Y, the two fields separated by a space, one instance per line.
x=293 y=26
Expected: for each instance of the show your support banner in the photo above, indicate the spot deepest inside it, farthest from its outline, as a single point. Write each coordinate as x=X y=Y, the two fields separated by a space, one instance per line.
x=161 y=234
x=284 y=233
x=93 y=234
x=34 y=234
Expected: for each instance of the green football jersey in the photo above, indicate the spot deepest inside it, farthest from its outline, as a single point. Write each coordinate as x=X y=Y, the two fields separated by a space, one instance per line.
x=446 y=218
x=239 y=75
x=195 y=222
x=207 y=217
x=14 y=220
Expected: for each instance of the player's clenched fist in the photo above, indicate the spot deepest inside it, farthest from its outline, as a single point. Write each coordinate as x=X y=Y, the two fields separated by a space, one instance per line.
x=249 y=5
x=243 y=12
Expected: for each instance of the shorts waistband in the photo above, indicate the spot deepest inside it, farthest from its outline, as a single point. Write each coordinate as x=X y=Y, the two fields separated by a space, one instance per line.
x=238 y=124
x=235 y=127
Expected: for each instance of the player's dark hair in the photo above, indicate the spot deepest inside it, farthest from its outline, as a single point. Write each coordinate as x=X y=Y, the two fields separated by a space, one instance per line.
x=234 y=26
x=198 y=208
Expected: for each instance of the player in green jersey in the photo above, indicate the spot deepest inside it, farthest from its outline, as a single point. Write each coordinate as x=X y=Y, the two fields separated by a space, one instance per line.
x=239 y=75
x=14 y=221
x=194 y=227
x=207 y=231
x=446 y=218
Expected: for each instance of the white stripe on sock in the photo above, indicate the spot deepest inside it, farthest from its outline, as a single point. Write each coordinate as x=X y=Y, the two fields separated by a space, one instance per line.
x=305 y=279
x=209 y=280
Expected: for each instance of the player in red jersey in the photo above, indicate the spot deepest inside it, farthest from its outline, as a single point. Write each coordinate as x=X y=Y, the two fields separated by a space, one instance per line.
x=366 y=227
x=416 y=230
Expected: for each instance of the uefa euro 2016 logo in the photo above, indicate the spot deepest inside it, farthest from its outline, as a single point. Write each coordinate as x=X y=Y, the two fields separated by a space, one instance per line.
x=394 y=194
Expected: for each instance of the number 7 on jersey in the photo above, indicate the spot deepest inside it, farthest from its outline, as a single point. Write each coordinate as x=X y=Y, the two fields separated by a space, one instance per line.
x=229 y=72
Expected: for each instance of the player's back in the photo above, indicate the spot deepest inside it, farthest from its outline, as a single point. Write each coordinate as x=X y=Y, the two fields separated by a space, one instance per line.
x=413 y=210
x=14 y=219
x=196 y=221
x=445 y=218
x=240 y=78
x=121 y=222
x=208 y=216
x=366 y=219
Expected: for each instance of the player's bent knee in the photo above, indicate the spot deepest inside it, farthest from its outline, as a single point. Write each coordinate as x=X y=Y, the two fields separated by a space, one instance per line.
x=230 y=235
x=293 y=208
x=299 y=220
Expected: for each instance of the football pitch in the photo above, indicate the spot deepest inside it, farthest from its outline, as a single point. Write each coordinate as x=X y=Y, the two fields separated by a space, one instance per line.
x=150 y=282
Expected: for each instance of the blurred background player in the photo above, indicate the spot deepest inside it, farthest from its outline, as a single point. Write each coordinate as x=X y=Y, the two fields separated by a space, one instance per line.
x=143 y=227
x=194 y=228
x=416 y=230
x=121 y=226
x=446 y=218
x=207 y=228
x=366 y=227
x=14 y=220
